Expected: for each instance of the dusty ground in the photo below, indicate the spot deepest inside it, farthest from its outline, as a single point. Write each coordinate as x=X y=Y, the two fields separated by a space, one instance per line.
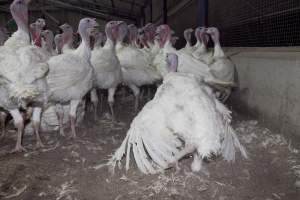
x=73 y=170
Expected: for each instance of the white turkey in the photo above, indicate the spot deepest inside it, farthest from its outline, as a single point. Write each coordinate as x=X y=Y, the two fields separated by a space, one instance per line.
x=107 y=66
x=136 y=66
x=22 y=67
x=150 y=32
x=200 y=50
x=187 y=63
x=68 y=36
x=48 y=42
x=174 y=40
x=59 y=43
x=188 y=38
x=35 y=30
x=183 y=118
x=71 y=75
x=221 y=67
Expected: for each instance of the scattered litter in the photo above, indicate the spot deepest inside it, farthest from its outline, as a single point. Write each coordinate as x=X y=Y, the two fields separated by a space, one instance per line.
x=131 y=182
x=99 y=166
x=17 y=193
x=42 y=194
x=65 y=190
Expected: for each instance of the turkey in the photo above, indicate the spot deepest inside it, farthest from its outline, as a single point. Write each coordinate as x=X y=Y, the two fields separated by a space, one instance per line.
x=183 y=118
x=59 y=43
x=187 y=63
x=22 y=68
x=35 y=30
x=221 y=67
x=200 y=50
x=107 y=66
x=49 y=120
x=138 y=71
x=150 y=32
x=188 y=38
x=174 y=40
x=68 y=35
x=47 y=42
x=71 y=87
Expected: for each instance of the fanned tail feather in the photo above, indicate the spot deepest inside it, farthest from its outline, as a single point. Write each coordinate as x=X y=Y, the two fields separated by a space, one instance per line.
x=151 y=155
x=230 y=144
x=231 y=141
x=19 y=92
x=117 y=157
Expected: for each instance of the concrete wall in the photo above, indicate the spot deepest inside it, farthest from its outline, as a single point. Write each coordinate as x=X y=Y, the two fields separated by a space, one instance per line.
x=269 y=86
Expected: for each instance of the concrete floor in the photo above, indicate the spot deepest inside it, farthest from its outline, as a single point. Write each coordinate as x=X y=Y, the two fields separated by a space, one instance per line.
x=72 y=169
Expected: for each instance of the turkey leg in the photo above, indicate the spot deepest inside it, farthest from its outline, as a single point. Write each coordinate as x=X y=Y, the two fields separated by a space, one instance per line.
x=136 y=92
x=36 y=121
x=73 y=109
x=95 y=101
x=111 y=99
x=19 y=123
x=60 y=117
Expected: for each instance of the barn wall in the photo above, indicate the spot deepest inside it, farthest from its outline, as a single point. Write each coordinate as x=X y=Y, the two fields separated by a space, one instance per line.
x=269 y=86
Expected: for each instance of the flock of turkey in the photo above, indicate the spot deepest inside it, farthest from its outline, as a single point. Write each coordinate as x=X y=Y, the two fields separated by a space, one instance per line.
x=49 y=86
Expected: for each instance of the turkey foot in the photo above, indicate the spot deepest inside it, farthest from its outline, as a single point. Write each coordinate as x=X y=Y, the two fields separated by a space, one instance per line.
x=18 y=149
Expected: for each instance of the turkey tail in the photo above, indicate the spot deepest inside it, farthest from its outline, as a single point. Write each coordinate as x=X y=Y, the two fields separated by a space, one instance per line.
x=133 y=142
x=230 y=144
x=231 y=141
x=117 y=157
x=20 y=91
x=151 y=154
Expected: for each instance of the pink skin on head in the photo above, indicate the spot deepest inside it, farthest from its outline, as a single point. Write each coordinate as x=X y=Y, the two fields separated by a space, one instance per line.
x=172 y=62
x=39 y=25
x=67 y=33
x=214 y=34
x=86 y=28
x=122 y=31
x=111 y=30
x=204 y=37
x=164 y=34
x=150 y=31
x=19 y=11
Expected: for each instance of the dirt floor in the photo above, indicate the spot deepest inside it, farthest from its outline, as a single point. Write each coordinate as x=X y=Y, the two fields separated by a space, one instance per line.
x=73 y=169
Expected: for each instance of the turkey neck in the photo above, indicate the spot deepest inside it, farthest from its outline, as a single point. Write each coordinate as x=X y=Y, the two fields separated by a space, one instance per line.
x=22 y=24
x=218 y=52
x=47 y=45
x=68 y=45
x=202 y=48
x=84 y=49
x=188 y=44
x=110 y=45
